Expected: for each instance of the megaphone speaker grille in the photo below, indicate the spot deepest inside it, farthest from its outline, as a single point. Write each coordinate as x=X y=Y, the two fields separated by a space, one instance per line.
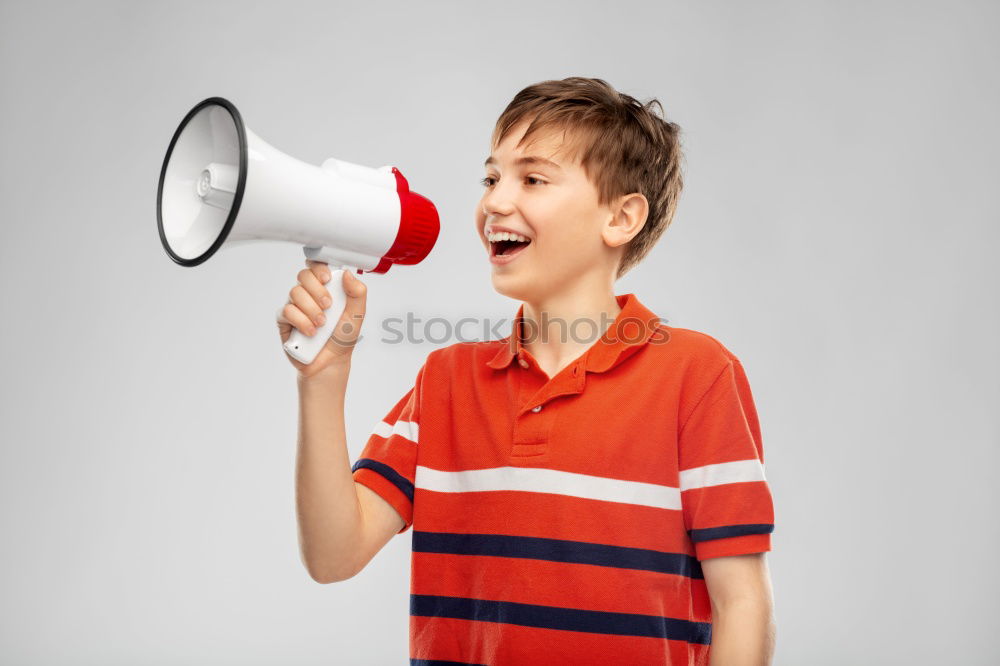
x=202 y=181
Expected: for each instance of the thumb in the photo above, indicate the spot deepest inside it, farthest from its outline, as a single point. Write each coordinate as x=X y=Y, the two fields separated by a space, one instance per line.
x=349 y=326
x=353 y=287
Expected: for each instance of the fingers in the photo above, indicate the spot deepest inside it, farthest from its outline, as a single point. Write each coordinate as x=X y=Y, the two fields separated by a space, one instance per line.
x=312 y=280
x=307 y=299
x=321 y=270
x=309 y=295
x=294 y=316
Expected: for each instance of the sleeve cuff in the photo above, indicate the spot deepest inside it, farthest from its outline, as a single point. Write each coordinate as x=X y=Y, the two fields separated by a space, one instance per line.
x=738 y=545
x=387 y=491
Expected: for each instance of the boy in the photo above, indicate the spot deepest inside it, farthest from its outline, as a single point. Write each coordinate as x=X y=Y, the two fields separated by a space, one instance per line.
x=574 y=500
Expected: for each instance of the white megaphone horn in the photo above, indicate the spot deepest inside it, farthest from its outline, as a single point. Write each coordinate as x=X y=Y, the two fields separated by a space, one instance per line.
x=222 y=185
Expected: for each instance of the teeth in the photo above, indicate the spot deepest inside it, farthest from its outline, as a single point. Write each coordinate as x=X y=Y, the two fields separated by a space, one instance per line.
x=505 y=235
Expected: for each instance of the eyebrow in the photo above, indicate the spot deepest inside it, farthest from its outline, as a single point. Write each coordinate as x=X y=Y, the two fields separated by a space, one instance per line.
x=528 y=159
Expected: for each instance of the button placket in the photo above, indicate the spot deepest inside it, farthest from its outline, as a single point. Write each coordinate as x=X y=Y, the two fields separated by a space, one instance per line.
x=531 y=436
x=531 y=428
x=533 y=425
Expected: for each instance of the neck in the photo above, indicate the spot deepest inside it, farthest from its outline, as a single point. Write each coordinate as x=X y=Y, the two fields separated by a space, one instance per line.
x=560 y=327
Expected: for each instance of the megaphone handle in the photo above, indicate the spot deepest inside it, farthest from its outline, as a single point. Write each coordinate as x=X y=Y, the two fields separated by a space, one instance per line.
x=305 y=348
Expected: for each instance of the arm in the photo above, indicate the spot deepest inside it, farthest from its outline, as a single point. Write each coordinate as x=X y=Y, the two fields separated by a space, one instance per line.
x=743 y=627
x=342 y=524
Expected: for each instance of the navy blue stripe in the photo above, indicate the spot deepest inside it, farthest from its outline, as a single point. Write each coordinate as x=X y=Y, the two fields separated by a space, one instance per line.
x=557 y=550
x=394 y=477
x=710 y=533
x=440 y=662
x=568 y=619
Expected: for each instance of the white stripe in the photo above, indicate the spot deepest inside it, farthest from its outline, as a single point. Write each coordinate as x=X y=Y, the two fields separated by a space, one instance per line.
x=540 y=480
x=737 y=471
x=407 y=429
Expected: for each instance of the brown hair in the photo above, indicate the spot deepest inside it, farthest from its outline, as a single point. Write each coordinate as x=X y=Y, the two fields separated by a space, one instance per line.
x=626 y=146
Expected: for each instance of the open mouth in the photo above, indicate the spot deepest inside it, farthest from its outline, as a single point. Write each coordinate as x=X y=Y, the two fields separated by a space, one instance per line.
x=507 y=247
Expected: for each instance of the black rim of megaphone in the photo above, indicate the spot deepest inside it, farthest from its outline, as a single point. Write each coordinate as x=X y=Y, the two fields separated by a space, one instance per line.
x=240 y=185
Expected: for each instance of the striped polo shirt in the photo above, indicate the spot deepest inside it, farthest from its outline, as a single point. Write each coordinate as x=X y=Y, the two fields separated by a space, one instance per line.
x=562 y=520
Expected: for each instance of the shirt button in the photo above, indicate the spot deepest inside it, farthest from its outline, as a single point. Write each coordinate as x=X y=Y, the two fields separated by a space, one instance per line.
x=536 y=409
x=523 y=363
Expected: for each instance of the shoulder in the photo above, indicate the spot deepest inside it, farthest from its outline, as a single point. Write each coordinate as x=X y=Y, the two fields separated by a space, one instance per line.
x=698 y=347
x=464 y=354
x=694 y=360
x=710 y=374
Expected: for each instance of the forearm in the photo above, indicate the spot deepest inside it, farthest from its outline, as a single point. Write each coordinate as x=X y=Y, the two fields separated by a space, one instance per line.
x=329 y=515
x=743 y=633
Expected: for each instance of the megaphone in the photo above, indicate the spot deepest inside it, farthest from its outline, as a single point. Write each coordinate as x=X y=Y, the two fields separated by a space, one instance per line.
x=221 y=185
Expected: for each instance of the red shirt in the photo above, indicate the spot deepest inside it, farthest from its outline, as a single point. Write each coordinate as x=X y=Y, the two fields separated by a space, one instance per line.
x=563 y=520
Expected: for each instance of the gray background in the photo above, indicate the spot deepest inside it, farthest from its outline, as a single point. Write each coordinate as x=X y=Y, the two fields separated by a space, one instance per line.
x=837 y=232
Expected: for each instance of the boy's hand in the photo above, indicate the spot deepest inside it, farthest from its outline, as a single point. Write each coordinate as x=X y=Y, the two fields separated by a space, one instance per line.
x=304 y=311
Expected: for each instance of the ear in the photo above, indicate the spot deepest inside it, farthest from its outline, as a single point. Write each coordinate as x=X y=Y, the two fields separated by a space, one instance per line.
x=628 y=219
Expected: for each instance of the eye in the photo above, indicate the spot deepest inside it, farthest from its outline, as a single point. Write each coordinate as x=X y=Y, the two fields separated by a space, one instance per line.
x=490 y=181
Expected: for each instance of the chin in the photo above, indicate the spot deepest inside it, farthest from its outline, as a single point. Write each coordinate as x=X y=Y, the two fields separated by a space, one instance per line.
x=516 y=287
x=526 y=287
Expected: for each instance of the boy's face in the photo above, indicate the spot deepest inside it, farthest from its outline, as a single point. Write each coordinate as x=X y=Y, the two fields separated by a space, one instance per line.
x=554 y=205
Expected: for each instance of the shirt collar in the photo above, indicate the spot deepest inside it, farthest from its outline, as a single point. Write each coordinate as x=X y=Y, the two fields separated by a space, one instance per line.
x=630 y=330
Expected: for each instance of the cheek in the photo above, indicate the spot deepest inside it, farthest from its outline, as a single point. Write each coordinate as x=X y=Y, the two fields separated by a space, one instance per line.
x=567 y=230
x=548 y=215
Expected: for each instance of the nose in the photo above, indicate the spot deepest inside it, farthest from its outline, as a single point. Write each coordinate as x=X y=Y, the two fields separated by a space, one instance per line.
x=498 y=200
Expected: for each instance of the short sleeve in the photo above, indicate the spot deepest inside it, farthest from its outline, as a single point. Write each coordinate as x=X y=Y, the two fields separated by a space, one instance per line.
x=726 y=500
x=387 y=464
